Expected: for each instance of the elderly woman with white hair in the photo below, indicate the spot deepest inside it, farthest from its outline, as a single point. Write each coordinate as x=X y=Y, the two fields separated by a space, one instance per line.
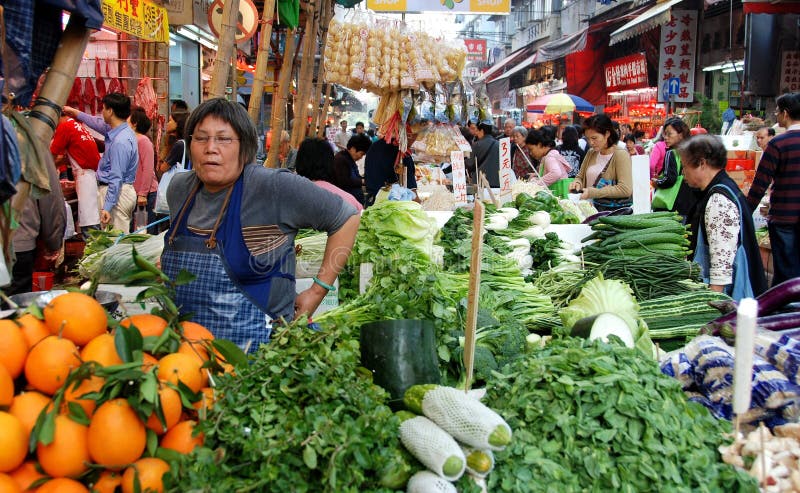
x=520 y=159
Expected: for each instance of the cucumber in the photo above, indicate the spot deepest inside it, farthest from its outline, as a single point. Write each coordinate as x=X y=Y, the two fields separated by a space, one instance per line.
x=671 y=227
x=634 y=222
x=650 y=239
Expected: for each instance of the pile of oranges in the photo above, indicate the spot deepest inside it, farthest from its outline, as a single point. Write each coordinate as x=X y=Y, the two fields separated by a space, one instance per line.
x=36 y=359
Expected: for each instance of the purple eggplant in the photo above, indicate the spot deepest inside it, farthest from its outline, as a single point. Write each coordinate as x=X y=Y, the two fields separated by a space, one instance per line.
x=769 y=302
x=622 y=211
x=781 y=321
x=593 y=217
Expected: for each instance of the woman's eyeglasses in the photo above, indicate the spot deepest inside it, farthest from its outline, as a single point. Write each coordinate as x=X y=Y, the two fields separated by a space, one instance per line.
x=204 y=139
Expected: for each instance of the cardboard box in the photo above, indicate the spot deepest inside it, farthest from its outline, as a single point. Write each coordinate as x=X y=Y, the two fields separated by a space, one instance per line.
x=743 y=178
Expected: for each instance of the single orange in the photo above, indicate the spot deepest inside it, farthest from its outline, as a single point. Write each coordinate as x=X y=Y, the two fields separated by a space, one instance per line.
x=6 y=388
x=13 y=442
x=150 y=471
x=171 y=407
x=117 y=436
x=196 y=350
x=102 y=350
x=62 y=485
x=13 y=347
x=8 y=485
x=176 y=366
x=75 y=394
x=49 y=363
x=148 y=361
x=180 y=438
x=193 y=331
x=25 y=475
x=68 y=454
x=27 y=407
x=207 y=399
x=76 y=316
x=33 y=329
x=148 y=324
x=108 y=482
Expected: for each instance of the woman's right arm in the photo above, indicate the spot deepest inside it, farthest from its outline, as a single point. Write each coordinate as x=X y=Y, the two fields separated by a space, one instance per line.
x=670 y=171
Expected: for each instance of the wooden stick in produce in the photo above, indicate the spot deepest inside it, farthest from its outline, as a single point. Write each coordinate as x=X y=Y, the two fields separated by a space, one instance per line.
x=306 y=83
x=260 y=76
x=325 y=20
x=474 y=289
x=227 y=41
x=323 y=114
x=279 y=99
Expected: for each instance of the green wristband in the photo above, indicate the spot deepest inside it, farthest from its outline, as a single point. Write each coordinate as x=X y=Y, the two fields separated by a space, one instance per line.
x=324 y=284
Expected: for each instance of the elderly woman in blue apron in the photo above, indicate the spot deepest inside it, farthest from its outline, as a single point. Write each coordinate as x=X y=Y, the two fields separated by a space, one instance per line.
x=234 y=224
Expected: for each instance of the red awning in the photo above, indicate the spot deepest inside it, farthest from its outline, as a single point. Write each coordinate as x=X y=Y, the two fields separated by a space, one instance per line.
x=770 y=7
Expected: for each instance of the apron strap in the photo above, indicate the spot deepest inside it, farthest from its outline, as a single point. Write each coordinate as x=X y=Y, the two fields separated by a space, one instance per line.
x=211 y=242
x=182 y=212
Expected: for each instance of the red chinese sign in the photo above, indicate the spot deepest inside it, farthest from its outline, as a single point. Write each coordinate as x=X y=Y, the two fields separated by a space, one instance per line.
x=677 y=55
x=476 y=49
x=628 y=72
x=790 y=72
x=507 y=177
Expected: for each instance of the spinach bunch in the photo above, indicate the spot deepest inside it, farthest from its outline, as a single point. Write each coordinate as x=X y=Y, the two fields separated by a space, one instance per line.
x=589 y=416
x=300 y=418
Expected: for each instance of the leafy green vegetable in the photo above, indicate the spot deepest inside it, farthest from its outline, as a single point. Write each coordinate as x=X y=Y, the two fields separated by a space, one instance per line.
x=590 y=416
x=298 y=419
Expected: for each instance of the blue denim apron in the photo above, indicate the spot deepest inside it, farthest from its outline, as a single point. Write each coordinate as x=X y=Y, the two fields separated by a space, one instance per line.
x=741 y=286
x=231 y=292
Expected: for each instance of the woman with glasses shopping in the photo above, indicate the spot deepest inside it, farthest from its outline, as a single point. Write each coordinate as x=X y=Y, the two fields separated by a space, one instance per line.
x=233 y=227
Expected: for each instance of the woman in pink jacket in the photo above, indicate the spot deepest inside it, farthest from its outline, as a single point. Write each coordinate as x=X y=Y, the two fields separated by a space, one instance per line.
x=657 y=154
x=541 y=144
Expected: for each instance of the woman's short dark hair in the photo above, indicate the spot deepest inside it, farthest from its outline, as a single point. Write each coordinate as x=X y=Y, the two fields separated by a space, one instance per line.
x=180 y=118
x=314 y=159
x=679 y=126
x=544 y=136
x=486 y=128
x=234 y=115
x=569 y=137
x=703 y=147
x=791 y=103
x=629 y=138
x=360 y=141
x=601 y=124
x=140 y=120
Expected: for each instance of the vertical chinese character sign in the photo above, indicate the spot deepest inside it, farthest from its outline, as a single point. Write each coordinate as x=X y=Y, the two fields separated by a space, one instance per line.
x=790 y=72
x=507 y=177
x=459 y=178
x=677 y=54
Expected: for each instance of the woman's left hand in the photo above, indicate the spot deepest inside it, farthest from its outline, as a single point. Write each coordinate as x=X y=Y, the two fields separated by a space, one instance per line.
x=306 y=303
x=585 y=194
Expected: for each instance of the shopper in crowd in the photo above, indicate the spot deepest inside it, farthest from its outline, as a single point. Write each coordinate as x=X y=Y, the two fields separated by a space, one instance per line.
x=763 y=136
x=40 y=234
x=315 y=161
x=73 y=143
x=571 y=150
x=472 y=126
x=116 y=170
x=508 y=127
x=631 y=146
x=234 y=227
x=146 y=183
x=581 y=139
x=638 y=133
x=384 y=163
x=176 y=144
x=371 y=135
x=359 y=128
x=286 y=153
x=179 y=106
x=605 y=174
x=541 y=144
x=345 y=168
x=780 y=167
x=657 y=153
x=486 y=154
x=342 y=136
x=520 y=160
x=726 y=246
x=675 y=131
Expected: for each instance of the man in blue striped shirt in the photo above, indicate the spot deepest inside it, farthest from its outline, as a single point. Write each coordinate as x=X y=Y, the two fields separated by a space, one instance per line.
x=116 y=171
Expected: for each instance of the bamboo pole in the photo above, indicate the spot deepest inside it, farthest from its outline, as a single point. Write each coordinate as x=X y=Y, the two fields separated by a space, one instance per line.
x=227 y=41
x=55 y=89
x=323 y=114
x=325 y=19
x=279 y=97
x=306 y=76
x=260 y=76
